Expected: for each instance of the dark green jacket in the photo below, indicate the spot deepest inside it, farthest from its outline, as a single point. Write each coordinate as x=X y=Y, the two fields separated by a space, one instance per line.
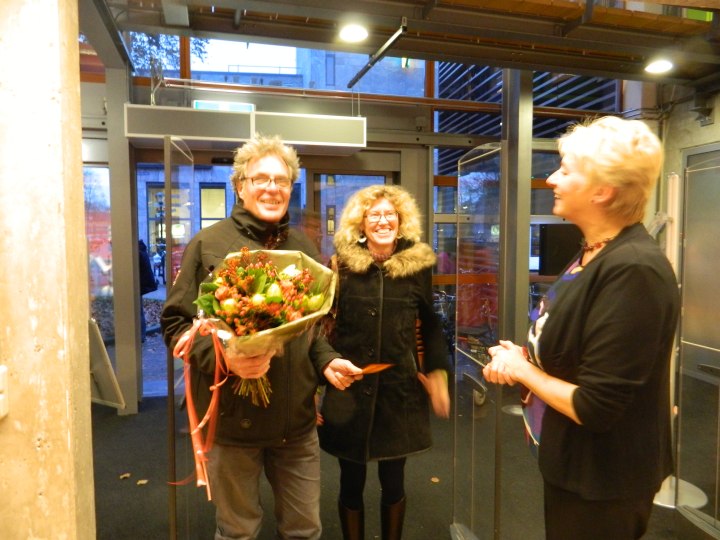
x=294 y=376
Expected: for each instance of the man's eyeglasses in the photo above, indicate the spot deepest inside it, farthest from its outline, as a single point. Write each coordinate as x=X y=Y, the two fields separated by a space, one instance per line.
x=375 y=217
x=264 y=181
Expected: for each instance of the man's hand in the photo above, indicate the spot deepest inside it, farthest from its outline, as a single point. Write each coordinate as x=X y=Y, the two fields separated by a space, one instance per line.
x=436 y=385
x=248 y=367
x=342 y=373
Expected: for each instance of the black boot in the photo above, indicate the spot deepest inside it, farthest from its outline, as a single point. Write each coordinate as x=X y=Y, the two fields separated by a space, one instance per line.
x=391 y=519
x=352 y=522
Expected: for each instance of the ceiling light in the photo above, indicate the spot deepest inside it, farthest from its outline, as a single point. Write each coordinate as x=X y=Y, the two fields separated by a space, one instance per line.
x=658 y=66
x=352 y=33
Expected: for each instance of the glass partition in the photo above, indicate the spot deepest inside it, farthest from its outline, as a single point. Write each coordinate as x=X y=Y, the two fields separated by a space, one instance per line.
x=96 y=181
x=190 y=513
x=478 y=251
x=698 y=434
x=489 y=432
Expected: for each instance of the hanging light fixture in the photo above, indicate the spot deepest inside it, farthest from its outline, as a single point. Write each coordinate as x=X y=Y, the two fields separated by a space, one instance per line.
x=658 y=66
x=353 y=33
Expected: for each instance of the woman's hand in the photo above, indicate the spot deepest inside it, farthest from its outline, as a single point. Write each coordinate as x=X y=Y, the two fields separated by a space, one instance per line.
x=436 y=384
x=508 y=361
x=342 y=373
x=248 y=367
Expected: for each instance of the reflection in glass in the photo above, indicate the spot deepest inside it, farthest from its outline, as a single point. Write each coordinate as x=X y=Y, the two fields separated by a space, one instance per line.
x=96 y=181
x=161 y=48
x=331 y=192
x=444 y=199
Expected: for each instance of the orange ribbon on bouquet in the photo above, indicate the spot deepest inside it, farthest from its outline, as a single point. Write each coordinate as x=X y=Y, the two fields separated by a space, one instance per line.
x=202 y=445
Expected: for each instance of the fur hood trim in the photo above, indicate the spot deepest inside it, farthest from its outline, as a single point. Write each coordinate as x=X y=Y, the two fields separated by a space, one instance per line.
x=407 y=260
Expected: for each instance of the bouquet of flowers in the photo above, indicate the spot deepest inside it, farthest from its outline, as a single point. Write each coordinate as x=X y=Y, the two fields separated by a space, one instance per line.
x=259 y=300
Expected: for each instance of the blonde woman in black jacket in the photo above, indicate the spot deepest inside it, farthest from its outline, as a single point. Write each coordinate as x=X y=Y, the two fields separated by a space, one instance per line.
x=598 y=352
x=385 y=287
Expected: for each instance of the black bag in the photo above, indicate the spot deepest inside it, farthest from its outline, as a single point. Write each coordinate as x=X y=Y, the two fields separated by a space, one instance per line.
x=148 y=283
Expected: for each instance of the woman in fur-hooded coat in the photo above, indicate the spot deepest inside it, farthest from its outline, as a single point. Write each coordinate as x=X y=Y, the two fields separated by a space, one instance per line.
x=384 y=288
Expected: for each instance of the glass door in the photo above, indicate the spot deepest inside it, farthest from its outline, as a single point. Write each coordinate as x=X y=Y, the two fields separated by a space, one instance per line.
x=698 y=461
x=331 y=192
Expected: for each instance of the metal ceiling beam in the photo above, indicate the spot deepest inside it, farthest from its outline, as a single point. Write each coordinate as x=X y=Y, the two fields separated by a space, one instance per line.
x=379 y=54
x=437 y=31
x=474 y=25
x=584 y=19
x=96 y=22
x=428 y=7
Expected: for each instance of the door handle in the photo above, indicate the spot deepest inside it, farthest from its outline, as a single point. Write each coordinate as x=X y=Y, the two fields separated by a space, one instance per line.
x=712 y=370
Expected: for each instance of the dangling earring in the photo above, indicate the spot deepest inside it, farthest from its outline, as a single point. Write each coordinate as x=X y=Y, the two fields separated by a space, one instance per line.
x=362 y=238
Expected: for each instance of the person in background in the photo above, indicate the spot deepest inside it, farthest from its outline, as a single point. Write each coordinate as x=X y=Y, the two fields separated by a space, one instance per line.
x=598 y=352
x=280 y=440
x=385 y=287
x=158 y=260
x=148 y=283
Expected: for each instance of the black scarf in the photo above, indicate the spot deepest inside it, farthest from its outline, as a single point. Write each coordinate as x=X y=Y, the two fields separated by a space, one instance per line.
x=270 y=235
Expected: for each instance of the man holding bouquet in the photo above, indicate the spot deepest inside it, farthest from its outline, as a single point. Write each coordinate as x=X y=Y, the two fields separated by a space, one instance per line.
x=279 y=438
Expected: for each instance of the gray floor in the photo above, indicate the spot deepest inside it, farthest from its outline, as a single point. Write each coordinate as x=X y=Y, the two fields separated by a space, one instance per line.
x=138 y=445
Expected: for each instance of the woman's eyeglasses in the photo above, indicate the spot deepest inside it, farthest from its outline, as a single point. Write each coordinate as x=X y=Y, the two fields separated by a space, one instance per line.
x=264 y=181
x=375 y=217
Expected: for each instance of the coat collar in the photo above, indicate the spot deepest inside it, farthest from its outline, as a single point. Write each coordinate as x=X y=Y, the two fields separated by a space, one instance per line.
x=409 y=258
x=268 y=234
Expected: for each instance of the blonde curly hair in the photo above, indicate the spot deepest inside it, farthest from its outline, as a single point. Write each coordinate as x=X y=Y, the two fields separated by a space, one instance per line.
x=353 y=216
x=258 y=147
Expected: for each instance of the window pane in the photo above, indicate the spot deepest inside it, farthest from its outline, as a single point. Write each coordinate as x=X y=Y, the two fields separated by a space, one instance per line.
x=444 y=199
x=274 y=65
x=162 y=48
x=97 y=227
x=96 y=182
x=445 y=240
x=212 y=202
x=484 y=84
x=331 y=193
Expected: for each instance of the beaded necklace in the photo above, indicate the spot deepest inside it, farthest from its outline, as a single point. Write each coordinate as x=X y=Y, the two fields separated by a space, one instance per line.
x=595 y=245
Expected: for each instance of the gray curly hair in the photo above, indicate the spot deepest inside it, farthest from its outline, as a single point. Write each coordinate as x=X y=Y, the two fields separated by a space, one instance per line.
x=353 y=216
x=258 y=147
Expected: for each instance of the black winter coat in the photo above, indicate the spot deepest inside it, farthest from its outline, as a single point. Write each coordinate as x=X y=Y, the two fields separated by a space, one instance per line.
x=384 y=415
x=294 y=376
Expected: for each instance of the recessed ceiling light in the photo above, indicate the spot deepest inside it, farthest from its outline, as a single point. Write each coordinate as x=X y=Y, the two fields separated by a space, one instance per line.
x=659 y=66
x=352 y=33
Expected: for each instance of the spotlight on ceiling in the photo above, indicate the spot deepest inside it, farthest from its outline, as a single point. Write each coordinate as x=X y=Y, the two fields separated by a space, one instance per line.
x=353 y=33
x=659 y=66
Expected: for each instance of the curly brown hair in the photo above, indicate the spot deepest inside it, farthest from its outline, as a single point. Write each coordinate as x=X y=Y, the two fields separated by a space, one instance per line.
x=352 y=219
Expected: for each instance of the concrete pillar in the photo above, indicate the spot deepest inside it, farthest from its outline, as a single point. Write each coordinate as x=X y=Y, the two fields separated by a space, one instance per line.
x=46 y=474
